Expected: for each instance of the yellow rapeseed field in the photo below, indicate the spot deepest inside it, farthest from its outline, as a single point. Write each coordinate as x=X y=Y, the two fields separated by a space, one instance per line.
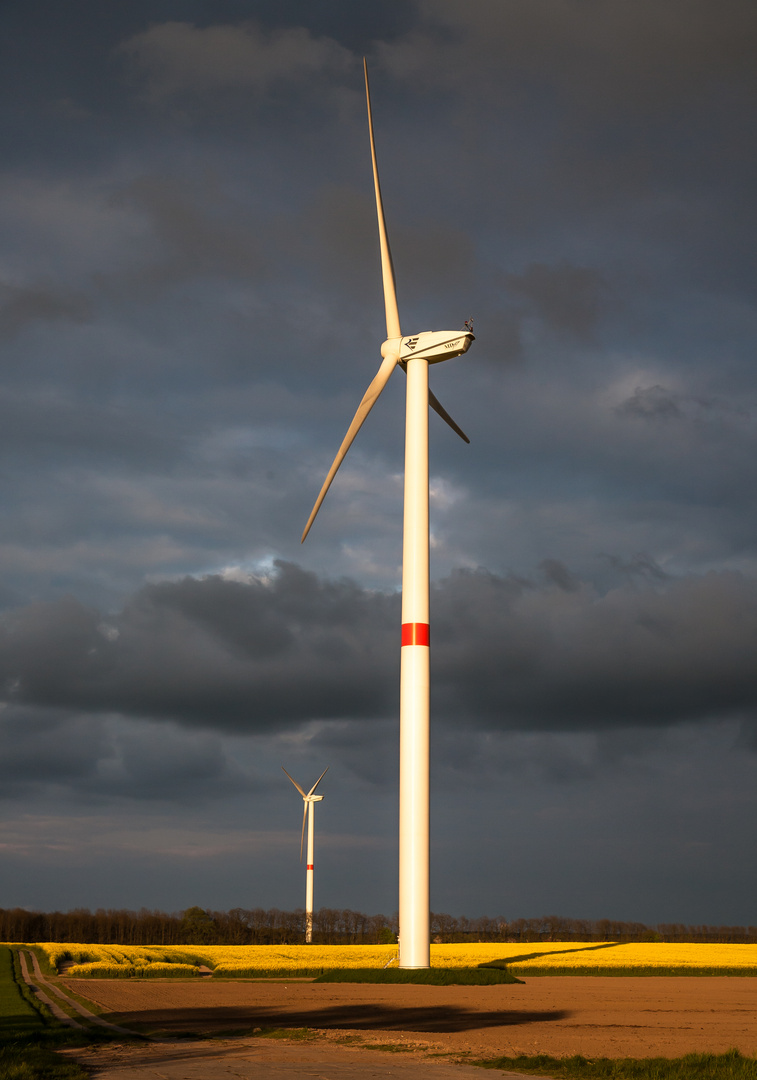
x=652 y=954
x=260 y=960
x=578 y=956
x=102 y=959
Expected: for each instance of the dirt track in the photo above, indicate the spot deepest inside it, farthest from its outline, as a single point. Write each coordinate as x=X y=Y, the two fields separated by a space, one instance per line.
x=609 y=1017
x=267 y=1059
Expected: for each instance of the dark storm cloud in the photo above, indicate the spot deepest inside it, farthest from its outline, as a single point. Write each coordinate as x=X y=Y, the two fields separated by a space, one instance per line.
x=32 y=422
x=178 y=57
x=558 y=574
x=94 y=757
x=638 y=568
x=510 y=655
x=291 y=648
x=334 y=238
x=198 y=232
x=567 y=297
x=610 y=55
x=21 y=305
x=650 y=401
x=589 y=125
x=42 y=746
x=213 y=652
x=165 y=764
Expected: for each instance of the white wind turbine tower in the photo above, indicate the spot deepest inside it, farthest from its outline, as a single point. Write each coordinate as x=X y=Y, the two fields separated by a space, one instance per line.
x=413 y=354
x=307 y=814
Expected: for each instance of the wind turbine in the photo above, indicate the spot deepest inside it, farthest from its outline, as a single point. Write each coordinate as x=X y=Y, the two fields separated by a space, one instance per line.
x=307 y=813
x=413 y=354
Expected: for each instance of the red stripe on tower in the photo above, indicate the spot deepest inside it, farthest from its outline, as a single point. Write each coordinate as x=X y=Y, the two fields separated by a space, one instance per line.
x=415 y=633
x=310 y=866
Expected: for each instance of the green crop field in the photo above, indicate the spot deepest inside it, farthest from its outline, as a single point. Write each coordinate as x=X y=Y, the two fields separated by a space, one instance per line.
x=27 y=1035
x=18 y=1017
x=423 y=976
x=729 y=1066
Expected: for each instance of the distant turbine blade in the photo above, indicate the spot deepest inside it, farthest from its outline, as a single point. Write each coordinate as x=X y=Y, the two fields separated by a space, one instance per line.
x=315 y=785
x=302 y=838
x=435 y=405
x=387 y=267
x=365 y=406
x=295 y=783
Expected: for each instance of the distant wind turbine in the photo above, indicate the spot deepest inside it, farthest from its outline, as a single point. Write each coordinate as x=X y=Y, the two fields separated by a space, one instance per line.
x=413 y=354
x=307 y=814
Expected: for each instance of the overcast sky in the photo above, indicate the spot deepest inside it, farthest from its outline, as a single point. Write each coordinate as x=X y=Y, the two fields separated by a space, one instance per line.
x=190 y=312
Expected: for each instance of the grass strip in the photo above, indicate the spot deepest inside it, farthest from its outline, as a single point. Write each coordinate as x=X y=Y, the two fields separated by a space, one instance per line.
x=28 y=1038
x=511 y=963
x=293 y=1034
x=18 y=1014
x=634 y=972
x=389 y=1048
x=423 y=976
x=221 y=972
x=731 y=1065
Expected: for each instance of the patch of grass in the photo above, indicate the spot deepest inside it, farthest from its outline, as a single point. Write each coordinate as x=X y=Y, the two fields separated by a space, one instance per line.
x=729 y=1066
x=295 y=1034
x=216 y=1035
x=28 y=1037
x=633 y=972
x=389 y=1048
x=424 y=976
x=270 y=973
x=42 y=1012
x=18 y=1016
x=512 y=962
x=35 y=1059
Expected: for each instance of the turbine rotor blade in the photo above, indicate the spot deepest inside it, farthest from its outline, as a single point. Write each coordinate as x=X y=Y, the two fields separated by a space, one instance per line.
x=315 y=785
x=369 y=400
x=387 y=267
x=439 y=408
x=302 y=838
x=295 y=783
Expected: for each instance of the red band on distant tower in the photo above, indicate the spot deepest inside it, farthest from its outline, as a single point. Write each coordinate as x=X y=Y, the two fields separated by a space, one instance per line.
x=415 y=633
x=310 y=866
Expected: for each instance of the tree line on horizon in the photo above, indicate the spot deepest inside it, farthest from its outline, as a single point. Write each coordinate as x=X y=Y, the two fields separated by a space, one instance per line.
x=331 y=926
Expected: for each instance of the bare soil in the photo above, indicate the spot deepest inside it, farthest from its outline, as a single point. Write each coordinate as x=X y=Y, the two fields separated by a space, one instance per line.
x=561 y=1016
x=265 y=1059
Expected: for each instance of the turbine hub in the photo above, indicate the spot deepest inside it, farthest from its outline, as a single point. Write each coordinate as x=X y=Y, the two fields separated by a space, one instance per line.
x=391 y=347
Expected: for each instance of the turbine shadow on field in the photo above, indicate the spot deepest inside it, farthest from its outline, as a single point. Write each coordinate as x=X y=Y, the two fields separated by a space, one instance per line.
x=438 y=1018
x=550 y=952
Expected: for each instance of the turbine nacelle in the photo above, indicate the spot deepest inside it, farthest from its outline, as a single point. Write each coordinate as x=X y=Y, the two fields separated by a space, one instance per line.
x=434 y=345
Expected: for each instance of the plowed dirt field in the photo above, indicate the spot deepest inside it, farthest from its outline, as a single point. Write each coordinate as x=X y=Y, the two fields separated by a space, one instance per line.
x=609 y=1017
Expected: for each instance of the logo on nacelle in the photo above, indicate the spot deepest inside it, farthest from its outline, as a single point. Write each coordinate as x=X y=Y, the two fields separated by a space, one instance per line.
x=411 y=343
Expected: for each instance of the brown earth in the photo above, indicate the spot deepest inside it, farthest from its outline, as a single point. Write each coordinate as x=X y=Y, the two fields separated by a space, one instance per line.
x=266 y=1059
x=607 y=1017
